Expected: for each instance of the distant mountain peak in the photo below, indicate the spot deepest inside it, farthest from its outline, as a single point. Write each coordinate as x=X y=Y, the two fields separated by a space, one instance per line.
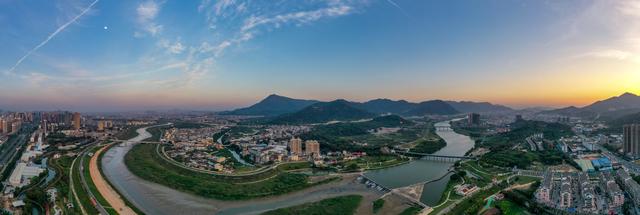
x=273 y=105
x=275 y=96
x=616 y=105
x=627 y=94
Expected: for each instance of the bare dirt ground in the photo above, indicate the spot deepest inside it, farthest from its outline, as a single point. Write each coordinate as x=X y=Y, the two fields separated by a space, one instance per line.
x=103 y=187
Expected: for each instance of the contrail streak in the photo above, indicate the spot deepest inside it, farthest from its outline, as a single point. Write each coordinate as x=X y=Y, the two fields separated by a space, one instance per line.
x=51 y=36
x=398 y=6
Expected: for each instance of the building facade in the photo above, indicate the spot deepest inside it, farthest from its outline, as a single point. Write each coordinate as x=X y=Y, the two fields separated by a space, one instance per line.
x=474 y=119
x=312 y=148
x=295 y=145
x=76 y=121
x=631 y=141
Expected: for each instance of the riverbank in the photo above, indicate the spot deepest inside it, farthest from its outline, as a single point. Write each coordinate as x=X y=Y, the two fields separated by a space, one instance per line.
x=422 y=171
x=106 y=191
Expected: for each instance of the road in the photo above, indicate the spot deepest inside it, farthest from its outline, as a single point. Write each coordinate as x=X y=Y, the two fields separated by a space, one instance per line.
x=85 y=186
x=166 y=157
x=11 y=147
x=632 y=167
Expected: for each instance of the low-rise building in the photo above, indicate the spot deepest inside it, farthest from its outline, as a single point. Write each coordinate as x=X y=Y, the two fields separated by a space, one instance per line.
x=466 y=189
x=614 y=193
x=543 y=194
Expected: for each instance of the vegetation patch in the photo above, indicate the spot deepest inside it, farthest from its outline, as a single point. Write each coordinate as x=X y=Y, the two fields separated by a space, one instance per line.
x=429 y=146
x=83 y=195
x=411 y=211
x=510 y=208
x=128 y=133
x=342 y=205
x=377 y=205
x=143 y=162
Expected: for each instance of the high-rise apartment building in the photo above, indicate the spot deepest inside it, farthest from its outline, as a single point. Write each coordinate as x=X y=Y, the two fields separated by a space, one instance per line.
x=631 y=143
x=474 y=119
x=6 y=128
x=312 y=148
x=295 y=145
x=101 y=125
x=76 y=121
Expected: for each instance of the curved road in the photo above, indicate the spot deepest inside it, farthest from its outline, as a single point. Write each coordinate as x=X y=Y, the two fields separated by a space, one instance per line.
x=153 y=198
x=82 y=155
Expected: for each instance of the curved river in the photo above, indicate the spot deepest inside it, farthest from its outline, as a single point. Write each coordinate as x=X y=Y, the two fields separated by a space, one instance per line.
x=153 y=198
x=424 y=170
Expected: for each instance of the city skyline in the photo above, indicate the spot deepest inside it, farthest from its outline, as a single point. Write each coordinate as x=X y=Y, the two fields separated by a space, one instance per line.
x=220 y=55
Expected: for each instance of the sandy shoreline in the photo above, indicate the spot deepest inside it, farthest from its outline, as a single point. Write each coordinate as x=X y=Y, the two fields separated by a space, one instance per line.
x=104 y=188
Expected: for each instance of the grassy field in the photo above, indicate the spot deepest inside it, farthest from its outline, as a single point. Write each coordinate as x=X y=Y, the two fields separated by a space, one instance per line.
x=377 y=205
x=143 y=162
x=83 y=196
x=525 y=179
x=411 y=211
x=156 y=133
x=342 y=205
x=128 y=133
x=510 y=208
x=475 y=203
x=376 y=162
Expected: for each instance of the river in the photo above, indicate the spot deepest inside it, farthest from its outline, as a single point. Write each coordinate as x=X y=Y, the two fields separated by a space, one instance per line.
x=424 y=170
x=153 y=198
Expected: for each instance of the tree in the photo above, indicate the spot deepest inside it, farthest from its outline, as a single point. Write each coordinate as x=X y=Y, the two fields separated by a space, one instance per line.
x=352 y=167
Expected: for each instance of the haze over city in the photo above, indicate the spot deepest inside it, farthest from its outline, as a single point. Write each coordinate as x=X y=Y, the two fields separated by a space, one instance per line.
x=216 y=55
x=330 y=107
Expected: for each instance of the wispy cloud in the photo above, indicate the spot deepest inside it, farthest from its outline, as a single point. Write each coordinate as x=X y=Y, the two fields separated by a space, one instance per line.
x=173 y=48
x=257 y=22
x=614 y=54
x=300 y=17
x=146 y=15
x=242 y=22
x=50 y=37
x=611 y=30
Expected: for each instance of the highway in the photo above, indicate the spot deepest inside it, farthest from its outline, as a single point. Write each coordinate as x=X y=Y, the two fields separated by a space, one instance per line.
x=9 y=149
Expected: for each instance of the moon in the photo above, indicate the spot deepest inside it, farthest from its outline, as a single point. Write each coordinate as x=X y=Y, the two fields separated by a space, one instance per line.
x=105 y=27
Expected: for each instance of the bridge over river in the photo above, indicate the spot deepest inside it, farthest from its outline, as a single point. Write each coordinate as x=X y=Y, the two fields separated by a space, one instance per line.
x=433 y=157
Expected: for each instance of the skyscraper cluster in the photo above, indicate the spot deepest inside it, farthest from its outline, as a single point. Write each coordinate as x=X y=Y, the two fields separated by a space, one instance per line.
x=10 y=123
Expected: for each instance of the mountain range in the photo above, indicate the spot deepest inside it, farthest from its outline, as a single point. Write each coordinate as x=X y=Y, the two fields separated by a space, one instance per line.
x=338 y=110
x=608 y=109
x=274 y=105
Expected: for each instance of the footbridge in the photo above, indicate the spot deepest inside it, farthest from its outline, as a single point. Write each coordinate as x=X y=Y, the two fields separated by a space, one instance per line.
x=443 y=128
x=432 y=157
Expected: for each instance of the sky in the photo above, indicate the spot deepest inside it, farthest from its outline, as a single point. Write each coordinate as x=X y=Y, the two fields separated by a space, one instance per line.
x=99 y=55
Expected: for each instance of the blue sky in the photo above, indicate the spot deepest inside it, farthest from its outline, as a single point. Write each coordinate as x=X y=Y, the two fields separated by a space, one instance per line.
x=92 y=55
